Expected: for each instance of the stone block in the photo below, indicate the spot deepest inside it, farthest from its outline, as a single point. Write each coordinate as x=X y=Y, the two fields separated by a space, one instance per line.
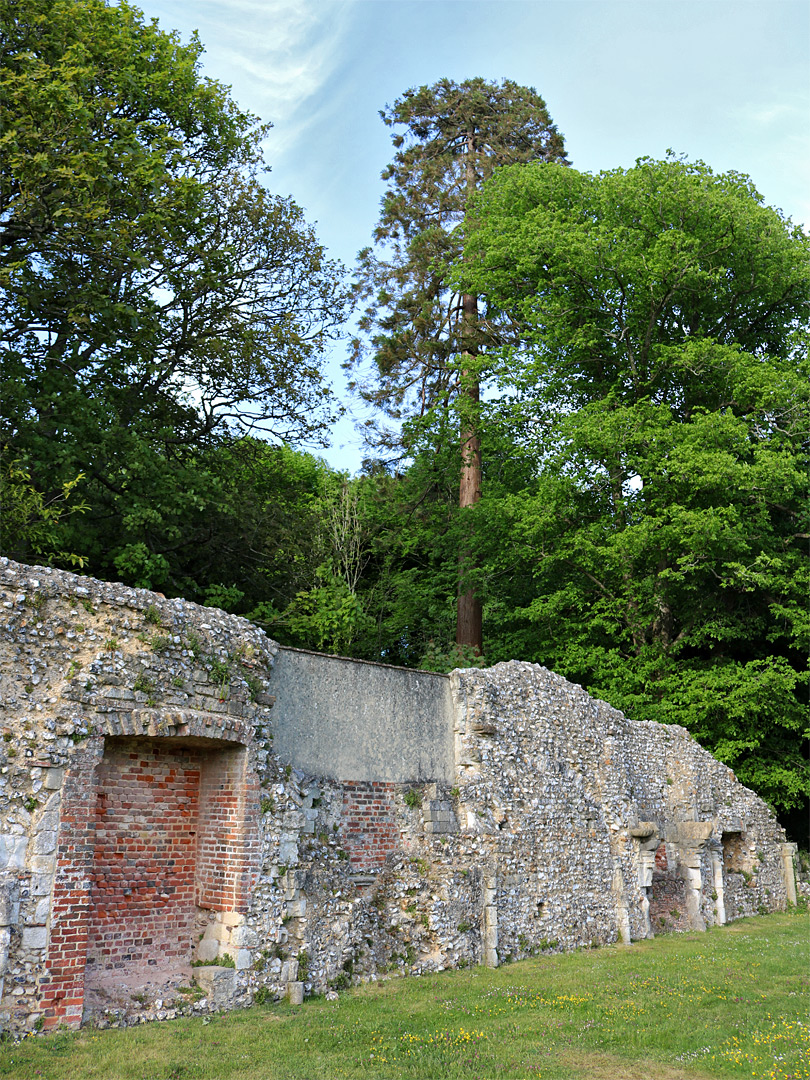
x=215 y=931
x=41 y=884
x=10 y=903
x=48 y=821
x=788 y=853
x=208 y=950
x=52 y=804
x=694 y=833
x=34 y=937
x=44 y=843
x=218 y=984
x=242 y=937
x=12 y=851
x=645 y=830
x=289 y=971
x=5 y=941
x=41 y=864
x=288 y=852
x=231 y=918
x=295 y=991
x=243 y=959
x=296 y=909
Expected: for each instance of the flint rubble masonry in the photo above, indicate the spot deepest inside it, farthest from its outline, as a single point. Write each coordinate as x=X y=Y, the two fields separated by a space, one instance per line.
x=157 y=809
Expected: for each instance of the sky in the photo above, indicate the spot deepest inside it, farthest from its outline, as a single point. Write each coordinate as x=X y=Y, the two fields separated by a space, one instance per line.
x=724 y=81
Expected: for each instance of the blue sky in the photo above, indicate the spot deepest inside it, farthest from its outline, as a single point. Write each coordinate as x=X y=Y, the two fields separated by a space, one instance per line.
x=727 y=81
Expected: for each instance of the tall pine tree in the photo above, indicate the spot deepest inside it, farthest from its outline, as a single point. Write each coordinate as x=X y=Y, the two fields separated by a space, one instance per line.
x=427 y=343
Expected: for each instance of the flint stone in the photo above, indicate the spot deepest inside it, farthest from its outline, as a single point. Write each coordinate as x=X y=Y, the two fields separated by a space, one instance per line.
x=12 y=851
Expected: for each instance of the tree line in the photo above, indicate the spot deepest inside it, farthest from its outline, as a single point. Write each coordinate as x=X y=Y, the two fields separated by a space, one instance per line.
x=589 y=444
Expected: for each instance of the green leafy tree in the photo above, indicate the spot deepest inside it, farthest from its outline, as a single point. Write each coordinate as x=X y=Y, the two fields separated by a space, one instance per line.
x=663 y=397
x=326 y=613
x=154 y=297
x=425 y=339
x=29 y=525
x=410 y=580
x=253 y=542
x=379 y=566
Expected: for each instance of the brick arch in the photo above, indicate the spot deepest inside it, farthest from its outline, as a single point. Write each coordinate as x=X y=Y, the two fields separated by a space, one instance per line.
x=158 y=828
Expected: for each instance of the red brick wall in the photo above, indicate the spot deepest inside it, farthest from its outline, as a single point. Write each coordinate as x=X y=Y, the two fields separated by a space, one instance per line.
x=142 y=899
x=224 y=833
x=150 y=829
x=61 y=985
x=668 y=896
x=369 y=831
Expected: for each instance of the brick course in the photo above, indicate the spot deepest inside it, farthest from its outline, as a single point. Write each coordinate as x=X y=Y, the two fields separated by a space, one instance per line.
x=61 y=986
x=369 y=830
x=145 y=852
x=151 y=831
x=228 y=833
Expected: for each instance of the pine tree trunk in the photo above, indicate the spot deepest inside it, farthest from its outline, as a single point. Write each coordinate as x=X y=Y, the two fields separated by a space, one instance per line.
x=469 y=630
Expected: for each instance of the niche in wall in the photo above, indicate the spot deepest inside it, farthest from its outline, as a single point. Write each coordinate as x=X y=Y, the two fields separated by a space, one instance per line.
x=168 y=840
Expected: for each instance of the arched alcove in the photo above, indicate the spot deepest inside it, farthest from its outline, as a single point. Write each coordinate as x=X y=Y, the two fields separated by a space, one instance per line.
x=166 y=847
x=158 y=831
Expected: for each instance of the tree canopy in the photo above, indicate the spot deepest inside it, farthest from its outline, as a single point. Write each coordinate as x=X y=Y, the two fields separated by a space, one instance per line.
x=425 y=339
x=153 y=295
x=448 y=138
x=640 y=337
x=662 y=396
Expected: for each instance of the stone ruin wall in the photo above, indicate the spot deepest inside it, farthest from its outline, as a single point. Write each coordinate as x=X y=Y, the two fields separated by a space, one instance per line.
x=147 y=822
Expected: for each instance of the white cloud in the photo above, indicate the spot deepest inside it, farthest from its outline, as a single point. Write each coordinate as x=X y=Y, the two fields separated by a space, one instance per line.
x=275 y=54
x=764 y=117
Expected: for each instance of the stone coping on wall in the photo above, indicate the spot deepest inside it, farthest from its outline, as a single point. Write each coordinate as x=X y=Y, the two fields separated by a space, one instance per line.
x=355 y=660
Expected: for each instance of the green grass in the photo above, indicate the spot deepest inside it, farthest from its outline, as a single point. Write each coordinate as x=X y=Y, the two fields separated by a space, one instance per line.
x=728 y=1003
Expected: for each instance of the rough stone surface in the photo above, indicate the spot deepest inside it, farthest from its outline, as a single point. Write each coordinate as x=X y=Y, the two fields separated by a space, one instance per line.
x=218 y=984
x=148 y=819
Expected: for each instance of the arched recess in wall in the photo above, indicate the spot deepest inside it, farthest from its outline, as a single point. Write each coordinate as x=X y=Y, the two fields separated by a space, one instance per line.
x=158 y=830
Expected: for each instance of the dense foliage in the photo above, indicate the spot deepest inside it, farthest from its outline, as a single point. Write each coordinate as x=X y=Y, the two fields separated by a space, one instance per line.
x=154 y=297
x=425 y=339
x=449 y=138
x=658 y=554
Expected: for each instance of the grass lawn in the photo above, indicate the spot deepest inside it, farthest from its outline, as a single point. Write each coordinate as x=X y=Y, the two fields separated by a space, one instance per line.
x=728 y=1003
